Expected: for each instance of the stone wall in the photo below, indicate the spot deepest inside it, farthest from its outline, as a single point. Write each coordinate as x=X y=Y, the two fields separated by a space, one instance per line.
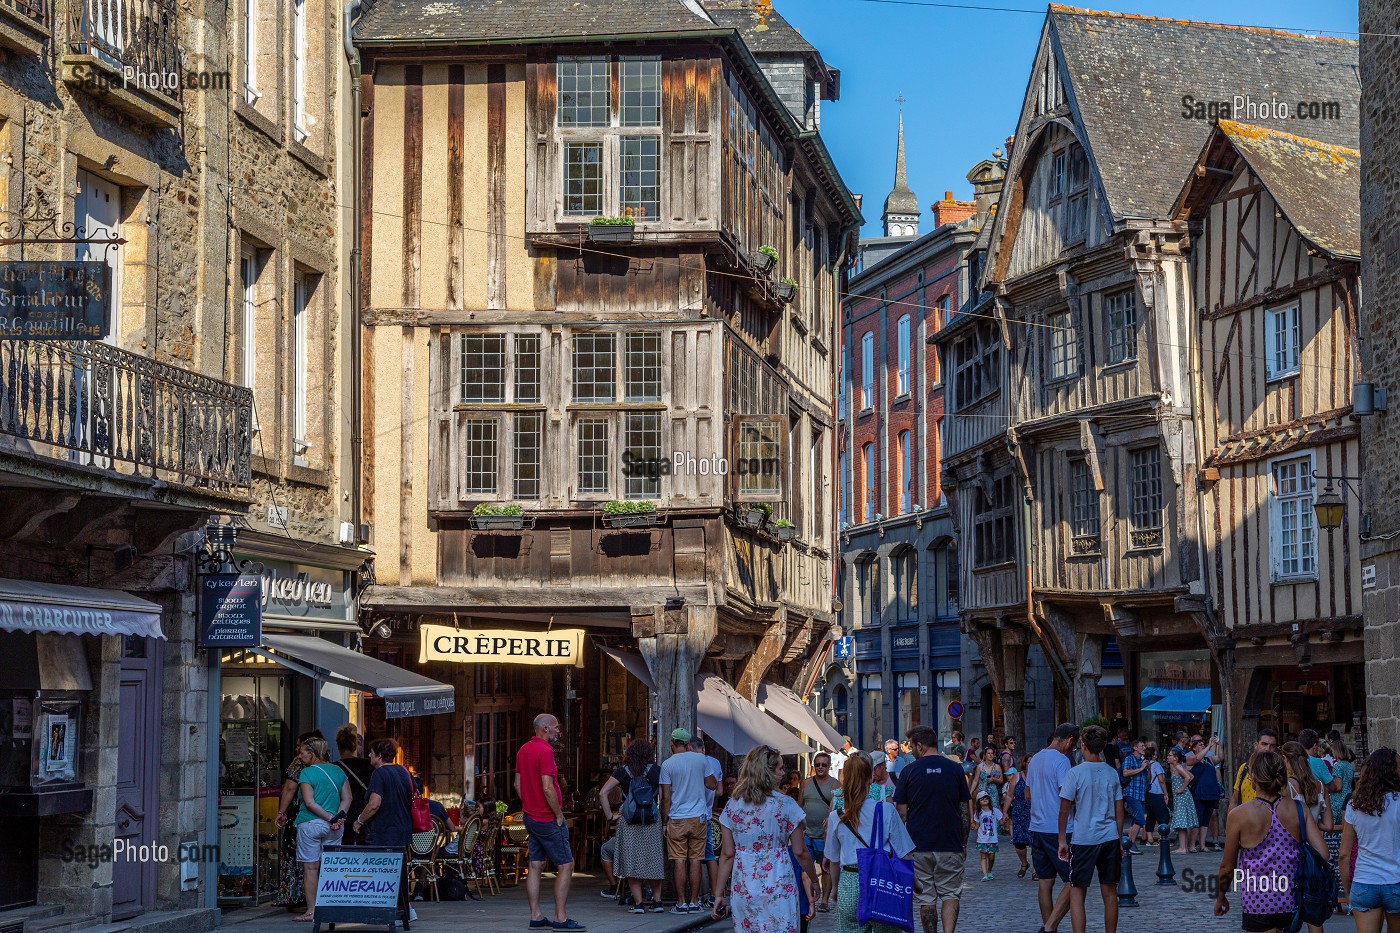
x=1380 y=356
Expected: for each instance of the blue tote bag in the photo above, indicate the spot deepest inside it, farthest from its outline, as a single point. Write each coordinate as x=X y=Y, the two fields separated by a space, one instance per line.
x=886 y=882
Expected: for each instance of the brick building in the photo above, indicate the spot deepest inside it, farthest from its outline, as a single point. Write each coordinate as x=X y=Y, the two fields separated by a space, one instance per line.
x=1380 y=361
x=899 y=550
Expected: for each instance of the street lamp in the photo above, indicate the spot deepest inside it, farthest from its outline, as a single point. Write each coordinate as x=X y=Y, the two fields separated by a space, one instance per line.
x=1329 y=508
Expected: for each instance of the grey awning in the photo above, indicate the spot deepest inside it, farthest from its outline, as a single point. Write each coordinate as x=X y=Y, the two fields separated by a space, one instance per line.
x=635 y=664
x=787 y=707
x=736 y=724
x=26 y=606
x=404 y=692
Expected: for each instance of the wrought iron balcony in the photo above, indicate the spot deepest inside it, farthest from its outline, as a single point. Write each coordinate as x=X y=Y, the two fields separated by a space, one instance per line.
x=92 y=404
x=36 y=12
x=138 y=39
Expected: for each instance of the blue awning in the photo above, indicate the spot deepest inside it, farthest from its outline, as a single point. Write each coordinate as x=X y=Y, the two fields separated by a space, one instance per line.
x=1175 y=699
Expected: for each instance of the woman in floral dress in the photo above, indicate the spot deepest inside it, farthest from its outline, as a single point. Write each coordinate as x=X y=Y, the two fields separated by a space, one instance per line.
x=1183 y=804
x=290 y=876
x=987 y=777
x=1018 y=792
x=759 y=826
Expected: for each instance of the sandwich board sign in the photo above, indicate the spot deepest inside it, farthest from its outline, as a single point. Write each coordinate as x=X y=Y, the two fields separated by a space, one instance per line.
x=360 y=884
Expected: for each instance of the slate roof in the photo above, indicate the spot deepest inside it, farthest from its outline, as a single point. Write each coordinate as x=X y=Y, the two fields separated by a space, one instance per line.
x=1316 y=185
x=775 y=37
x=522 y=20
x=1128 y=74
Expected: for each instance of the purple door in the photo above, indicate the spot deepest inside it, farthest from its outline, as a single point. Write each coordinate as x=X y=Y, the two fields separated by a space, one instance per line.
x=138 y=779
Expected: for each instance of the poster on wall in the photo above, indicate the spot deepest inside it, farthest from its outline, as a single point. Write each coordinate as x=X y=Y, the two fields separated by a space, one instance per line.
x=237 y=835
x=57 y=741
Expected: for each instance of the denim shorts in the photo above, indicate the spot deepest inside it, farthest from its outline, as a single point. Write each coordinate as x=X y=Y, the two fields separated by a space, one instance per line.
x=816 y=846
x=549 y=842
x=710 y=840
x=1137 y=814
x=1366 y=897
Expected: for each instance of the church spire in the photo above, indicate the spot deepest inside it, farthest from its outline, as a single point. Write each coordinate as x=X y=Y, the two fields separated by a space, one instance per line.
x=901 y=216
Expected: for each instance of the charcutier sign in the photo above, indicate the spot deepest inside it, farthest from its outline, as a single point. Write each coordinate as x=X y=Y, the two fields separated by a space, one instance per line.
x=500 y=646
x=55 y=300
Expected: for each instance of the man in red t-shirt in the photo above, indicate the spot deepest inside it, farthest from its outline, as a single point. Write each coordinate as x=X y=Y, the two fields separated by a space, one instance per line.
x=537 y=786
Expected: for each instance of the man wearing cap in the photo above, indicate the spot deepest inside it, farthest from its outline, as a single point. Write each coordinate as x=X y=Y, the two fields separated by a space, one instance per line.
x=685 y=812
x=839 y=759
x=881 y=784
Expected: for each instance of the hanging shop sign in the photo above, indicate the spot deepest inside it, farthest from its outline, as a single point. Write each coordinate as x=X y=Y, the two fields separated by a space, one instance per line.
x=500 y=646
x=230 y=610
x=55 y=300
x=302 y=592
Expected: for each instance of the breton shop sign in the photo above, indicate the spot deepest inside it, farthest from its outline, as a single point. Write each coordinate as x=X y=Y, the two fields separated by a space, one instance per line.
x=500 y=646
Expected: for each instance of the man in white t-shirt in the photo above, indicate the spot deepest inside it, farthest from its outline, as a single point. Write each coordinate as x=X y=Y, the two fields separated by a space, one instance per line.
x=697 y=744
x=685 y=812
x=1045 y=775
x=1093 y=791
x=839 y=759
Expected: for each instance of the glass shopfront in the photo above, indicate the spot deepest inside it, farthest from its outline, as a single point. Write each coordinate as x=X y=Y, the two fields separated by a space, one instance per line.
x=1177 y=693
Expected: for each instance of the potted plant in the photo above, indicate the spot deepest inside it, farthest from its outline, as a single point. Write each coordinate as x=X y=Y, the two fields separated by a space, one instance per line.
x=786 y=290
x=611 y=229
x=756 y=514
x=629 y=513
x=765 y=260
x=491 y=517
x=786 y=530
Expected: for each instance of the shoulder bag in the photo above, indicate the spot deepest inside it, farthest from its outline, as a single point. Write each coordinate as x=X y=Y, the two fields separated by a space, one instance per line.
x=886 y=881
x=1315 y=884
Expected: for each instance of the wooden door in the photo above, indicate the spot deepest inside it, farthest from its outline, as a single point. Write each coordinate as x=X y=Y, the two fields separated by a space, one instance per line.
x=138 y=779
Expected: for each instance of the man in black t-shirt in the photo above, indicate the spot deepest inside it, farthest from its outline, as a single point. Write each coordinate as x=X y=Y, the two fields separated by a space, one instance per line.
x=932 y=797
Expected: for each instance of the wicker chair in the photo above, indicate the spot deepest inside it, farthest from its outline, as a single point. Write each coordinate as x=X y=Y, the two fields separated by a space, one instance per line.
x=464 y=860
x=489 y=840
x=423 y=849
x=515 y=856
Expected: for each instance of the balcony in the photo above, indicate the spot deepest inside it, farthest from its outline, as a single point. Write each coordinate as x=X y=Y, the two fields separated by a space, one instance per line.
x=25 y=25
x=127 y=52
x=113 y=415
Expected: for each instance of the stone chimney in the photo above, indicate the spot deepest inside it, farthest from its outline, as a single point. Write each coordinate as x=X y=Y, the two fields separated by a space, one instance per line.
x=949 y=211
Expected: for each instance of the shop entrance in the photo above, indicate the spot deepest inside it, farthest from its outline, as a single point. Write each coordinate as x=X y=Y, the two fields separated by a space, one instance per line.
x=1324 y=697
x=138 y=776
x=255 y=747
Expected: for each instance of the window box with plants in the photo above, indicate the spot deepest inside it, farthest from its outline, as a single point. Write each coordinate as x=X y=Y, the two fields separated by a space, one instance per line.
x=754 y=514
x=631 y=513
x=491 y=517
x=785 y=291
x=611 y=229
x=764 y=260
x=784 y=529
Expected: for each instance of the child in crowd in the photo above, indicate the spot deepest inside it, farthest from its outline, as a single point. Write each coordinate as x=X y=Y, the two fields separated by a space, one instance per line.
x=988 y=817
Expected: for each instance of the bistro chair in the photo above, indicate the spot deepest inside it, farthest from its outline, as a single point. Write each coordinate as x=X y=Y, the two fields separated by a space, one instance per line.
x=515 y=854
x=465 y=861
x=423 y=866
x=489 y=840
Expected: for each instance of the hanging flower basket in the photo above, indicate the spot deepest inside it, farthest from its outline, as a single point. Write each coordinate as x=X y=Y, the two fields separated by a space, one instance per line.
x=764 y=260
x=785 y=291
x=785 y=532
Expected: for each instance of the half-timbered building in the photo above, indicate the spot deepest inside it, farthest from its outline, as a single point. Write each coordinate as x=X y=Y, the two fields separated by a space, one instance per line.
x=1275 y=266
x=654 y=396
x=1091 y=283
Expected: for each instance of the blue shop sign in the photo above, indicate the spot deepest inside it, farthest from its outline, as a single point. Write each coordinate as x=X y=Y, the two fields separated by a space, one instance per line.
x=230 y=610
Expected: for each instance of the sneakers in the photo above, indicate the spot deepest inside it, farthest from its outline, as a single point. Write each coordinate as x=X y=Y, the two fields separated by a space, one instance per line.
x=610 y=895
x=569 y=926
x=656 y=907
x=707 y=902
x=681 y=908
x=545 y=924
x=1134 y=850
x=639 y=909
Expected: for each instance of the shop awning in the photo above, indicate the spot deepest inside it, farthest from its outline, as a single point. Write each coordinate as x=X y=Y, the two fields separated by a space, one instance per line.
x=404 y=692
x=1175 y=699
x=635 y=664
x=787 y=707
x=736 y=724
x=26 y=606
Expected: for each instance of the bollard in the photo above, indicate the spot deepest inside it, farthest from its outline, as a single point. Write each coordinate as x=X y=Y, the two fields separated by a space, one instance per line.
x=1166 y=874
x=1127 y=888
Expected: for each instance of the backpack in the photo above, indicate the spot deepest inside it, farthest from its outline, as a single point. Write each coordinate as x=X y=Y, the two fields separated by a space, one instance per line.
x=639 y=807
x=1315 y=885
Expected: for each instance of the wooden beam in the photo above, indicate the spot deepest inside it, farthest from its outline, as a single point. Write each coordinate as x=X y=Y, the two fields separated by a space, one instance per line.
x=467 y=598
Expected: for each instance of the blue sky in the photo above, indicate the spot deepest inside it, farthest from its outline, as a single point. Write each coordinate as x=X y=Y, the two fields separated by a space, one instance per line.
x=963 y=74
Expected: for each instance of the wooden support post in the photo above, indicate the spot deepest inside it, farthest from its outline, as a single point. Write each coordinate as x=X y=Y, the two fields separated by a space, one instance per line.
x=673 y=643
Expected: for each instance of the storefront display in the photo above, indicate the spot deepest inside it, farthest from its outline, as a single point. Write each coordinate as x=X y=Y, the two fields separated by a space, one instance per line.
x=1177 y=694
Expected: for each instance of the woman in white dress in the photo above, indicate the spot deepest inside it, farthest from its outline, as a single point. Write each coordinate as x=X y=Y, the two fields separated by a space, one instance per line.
x=759 y=827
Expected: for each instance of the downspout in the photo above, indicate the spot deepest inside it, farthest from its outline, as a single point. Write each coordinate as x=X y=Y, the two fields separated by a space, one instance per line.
x=352 y=10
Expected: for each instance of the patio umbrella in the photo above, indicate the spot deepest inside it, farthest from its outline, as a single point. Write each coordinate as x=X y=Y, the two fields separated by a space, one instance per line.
x=736 y=724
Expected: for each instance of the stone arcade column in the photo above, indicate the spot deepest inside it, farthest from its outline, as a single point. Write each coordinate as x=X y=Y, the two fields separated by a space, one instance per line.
x=673 y=643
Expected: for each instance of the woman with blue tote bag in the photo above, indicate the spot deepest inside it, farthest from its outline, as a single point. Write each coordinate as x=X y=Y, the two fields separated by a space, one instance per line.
x=851 y=831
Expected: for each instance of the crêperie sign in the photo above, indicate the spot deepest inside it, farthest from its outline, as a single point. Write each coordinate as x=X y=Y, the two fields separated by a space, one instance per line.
x=500 y=646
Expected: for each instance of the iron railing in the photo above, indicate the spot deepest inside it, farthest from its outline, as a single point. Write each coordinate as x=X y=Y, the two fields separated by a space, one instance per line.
x=139 y=38
x=93 y=404
x=37 y=11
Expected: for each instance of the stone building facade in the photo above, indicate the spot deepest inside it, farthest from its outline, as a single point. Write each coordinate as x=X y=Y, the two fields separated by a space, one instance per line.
x=1380 y=362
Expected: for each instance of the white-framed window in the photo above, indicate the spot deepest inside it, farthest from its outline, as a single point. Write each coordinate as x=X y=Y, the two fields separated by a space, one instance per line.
x=1292 y=520
x=301 y=302
x=761 y=449
x=867 y=371
x=97 y=209
x=1147 y=501
x=608 y=367
x=1057 y=174
x=841 y=370
x=1120 y=313
x=1281 y=341
x=1064 y=346
x=248 y=323
x=903 y=328
x=906 y=474
x=867 y=461
x=299 y=129
x=612 y=157
x=500 y=450
x=250 y=51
